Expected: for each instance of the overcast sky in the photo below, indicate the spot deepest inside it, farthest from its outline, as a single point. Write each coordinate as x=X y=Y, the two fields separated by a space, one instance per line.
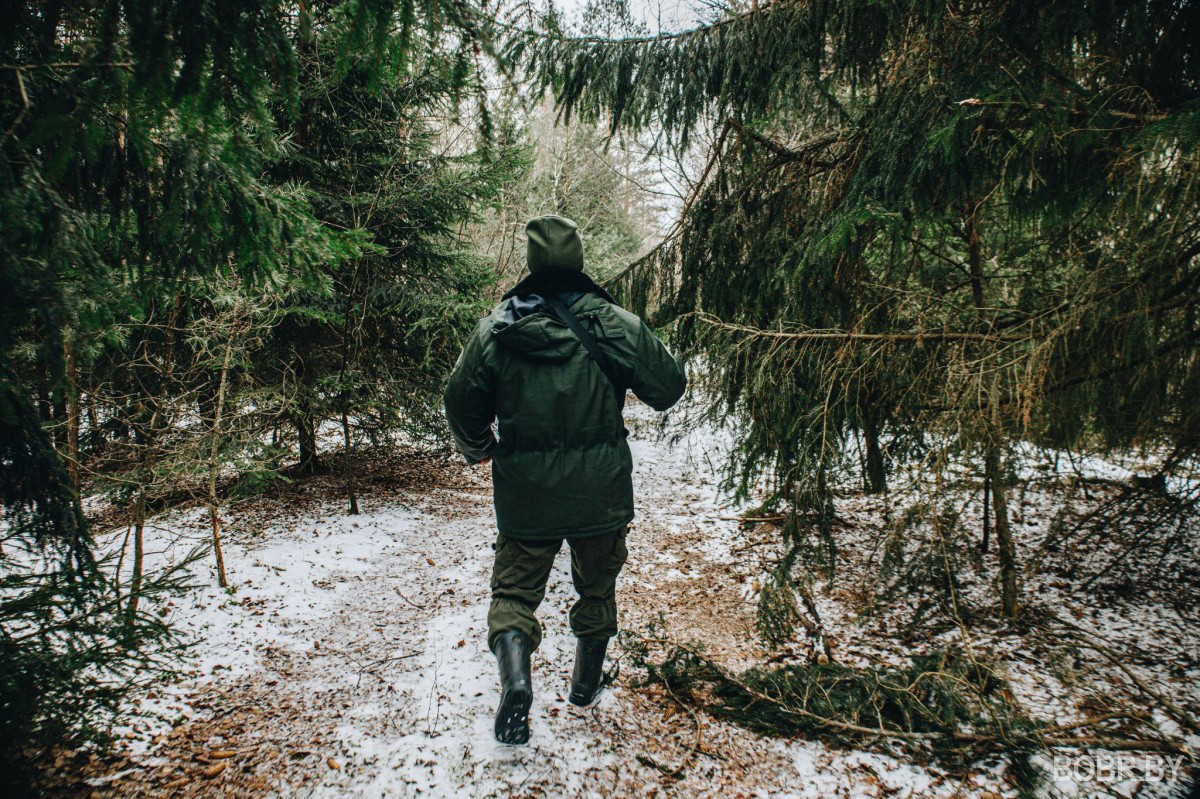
x=658 y=15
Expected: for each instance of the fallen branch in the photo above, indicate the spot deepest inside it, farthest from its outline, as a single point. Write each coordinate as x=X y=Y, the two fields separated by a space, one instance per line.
x=754 y=519
x=1088 y=639
x=1005 y=738
x=729 y=677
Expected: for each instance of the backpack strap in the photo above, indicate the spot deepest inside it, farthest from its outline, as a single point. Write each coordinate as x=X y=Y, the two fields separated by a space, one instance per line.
x=589 y=343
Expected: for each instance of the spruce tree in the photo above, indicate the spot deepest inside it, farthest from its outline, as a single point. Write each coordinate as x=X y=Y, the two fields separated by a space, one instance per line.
x=926 y=232
x=136 y=186
x=369 y=344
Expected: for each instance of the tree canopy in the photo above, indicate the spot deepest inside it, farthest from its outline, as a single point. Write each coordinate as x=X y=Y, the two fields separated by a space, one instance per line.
x=925 y=231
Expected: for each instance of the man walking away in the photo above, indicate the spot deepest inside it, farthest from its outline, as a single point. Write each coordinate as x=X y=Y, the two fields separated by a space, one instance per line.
x=550 y=366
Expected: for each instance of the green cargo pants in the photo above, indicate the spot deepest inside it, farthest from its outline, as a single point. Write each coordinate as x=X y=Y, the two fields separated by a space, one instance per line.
x=522 y=569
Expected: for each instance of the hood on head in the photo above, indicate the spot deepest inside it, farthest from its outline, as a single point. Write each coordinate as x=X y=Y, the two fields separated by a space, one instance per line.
x=553 y=242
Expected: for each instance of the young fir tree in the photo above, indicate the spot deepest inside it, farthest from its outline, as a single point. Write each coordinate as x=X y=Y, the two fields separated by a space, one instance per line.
x=136 y=137
x=371 y=344
x=926 y=230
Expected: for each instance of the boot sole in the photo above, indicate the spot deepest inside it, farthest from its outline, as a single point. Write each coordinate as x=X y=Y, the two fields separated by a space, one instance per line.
x=581 y=697
x=512 y=718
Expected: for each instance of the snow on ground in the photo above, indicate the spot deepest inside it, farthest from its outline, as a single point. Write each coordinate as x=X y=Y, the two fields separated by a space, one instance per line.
x=349 y=659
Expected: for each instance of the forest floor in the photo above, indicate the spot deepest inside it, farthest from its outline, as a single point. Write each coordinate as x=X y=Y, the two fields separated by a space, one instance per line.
x=349 y=656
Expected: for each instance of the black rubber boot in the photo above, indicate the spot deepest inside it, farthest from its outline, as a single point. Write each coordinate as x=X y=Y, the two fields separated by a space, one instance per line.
x=516 y=688
x=589 y=670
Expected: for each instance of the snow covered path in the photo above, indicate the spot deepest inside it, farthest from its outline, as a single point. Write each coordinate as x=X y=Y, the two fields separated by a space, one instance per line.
x=350 y=660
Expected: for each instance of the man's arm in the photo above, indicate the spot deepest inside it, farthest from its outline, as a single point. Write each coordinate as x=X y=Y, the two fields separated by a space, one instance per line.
x=658 y=378
x=470 y=401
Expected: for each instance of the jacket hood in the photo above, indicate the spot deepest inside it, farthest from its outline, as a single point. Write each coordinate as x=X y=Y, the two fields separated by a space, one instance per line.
x=525 y=324
x=528 y=327
x=553 y=242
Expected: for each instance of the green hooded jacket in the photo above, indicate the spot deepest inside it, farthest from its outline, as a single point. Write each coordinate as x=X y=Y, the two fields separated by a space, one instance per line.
x=561 y=466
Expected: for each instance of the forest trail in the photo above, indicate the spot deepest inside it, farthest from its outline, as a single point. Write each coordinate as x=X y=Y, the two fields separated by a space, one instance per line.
x=351 y=659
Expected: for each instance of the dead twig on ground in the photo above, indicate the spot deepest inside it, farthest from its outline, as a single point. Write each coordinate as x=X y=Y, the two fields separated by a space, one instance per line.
x=1042 y=738
x=1088 y=639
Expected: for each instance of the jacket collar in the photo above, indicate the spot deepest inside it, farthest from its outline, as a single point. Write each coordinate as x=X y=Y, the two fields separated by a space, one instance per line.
x=547 y=282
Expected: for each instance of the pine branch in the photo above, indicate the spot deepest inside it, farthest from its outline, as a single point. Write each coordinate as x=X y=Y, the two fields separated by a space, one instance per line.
x=804 y=152
x=847 y=335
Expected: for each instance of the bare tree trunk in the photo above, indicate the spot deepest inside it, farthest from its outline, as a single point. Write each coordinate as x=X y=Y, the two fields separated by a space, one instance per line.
x=218 y=553
x=72 y=390
x=876 y=472
x=301 y=418
x=501 y=258
x=566 y=187
x=59 y=417
x=121 y=563
x=306 y=439
x=213 y=452
x=349 y=465
x=139 y=552
x=992 y=475
x=1004 y=542
x=987 y=528
x=157 y=404
x=93 y=417
x=975 y=261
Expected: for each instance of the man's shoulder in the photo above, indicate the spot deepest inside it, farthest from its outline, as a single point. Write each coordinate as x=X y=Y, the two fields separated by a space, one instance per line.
x=617 y=322
x=610 y=313
x=480 y=342
x=485 y=323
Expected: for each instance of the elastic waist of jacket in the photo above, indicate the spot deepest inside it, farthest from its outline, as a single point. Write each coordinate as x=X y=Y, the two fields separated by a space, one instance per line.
x=516 y=443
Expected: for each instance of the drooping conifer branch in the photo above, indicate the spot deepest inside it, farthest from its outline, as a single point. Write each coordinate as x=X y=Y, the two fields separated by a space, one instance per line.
x=920 y=223
x=851 y=335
